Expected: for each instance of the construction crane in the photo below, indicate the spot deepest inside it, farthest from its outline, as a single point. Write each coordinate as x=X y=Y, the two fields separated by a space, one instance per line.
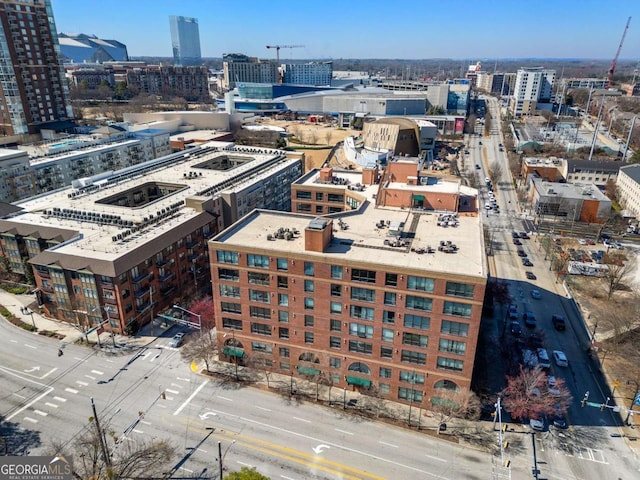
x=612 y=68
x=278 y=47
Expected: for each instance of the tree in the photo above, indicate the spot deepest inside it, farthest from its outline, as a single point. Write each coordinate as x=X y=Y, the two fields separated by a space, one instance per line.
x=200 y=346
x=312 y=136
x=327 y=136
x=620 y=317
x=206 y=309
x=527 y=395
x=447 y=404
x=495 y=172
x=618 y=272
x=246 y=473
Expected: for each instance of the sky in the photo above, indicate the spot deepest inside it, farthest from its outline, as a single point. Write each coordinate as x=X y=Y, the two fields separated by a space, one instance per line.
x=333 y=29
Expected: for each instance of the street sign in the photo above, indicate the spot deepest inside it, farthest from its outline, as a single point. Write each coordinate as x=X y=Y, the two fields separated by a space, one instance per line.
x=100 y=331
x=594 y=404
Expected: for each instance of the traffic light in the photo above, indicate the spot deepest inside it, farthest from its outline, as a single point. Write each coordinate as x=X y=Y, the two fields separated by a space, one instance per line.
x=583 y=402
x=602 y=406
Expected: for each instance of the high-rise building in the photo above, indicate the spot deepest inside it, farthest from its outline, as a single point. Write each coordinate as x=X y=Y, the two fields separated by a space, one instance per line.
x=185 y=41
x=239 y=68
x=33 y=91
x=534 y=85
x=312 y=73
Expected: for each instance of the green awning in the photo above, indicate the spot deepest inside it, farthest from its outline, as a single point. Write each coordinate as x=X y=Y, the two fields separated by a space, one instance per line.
x=308 y=371
x=361 y=382
x=420 y=198
x=233 y=352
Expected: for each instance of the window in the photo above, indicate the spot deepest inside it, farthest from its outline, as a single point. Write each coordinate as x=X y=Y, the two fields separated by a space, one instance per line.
x=257 y=278
x=283 y=352
x=308 y=337
x=335 y=362
x=410 y=394
x=283 y=282
x=334 y=342
x=417 y=321
x=457 y=309
x=283 y=316
x=459 y=289
x=230 y=307
x=389 y=298
x=229 y=291
x=302 y=195
x=449 y=364
x=452 y=346
x=360 y=347
x=283 y=299
x=260 y=329
x=454 y=328
x=388 y=317
x=308 y=286
x=308 y=303
x=308 y=320
x=285 y=366
x=309 y=268
x=335 y=198
x=283 y=332
x=335 y=308
x=412 y=378
x=227 y=257
x=335 y=325
x=414 y=339
x=386 y=352
x=259 y=296
x=336 y=272
x=228 y=274
x=336 y=290
x=363 y=294
x=260 y=312
x=366 y=276
x=387 y=335
x=364 y=313
x=257 y=261
x=359 y=330
x=391 y=280
x=319 y=196
x=283 y=264
x=261 y=347
x=232 y=323
x=385 y=372
x=418 y=303
x=420 y=283
x=319 y=209
x=384 y=388
x=413 y=357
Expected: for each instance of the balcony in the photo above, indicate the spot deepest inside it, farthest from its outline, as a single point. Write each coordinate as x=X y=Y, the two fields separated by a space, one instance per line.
x=141 y=292
x=193 y=243
x=165 y=276
x=140 y=277
x=165 y=291
x=161 y=262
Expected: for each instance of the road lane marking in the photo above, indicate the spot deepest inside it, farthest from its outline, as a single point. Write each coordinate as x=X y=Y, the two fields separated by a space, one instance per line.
x=52 y=405
x=32 y=420
x=49 y=372
x=71 y=390
x=30 y=346
x=137 y=431
x=186 y=470
x=286 y=478
x=388 y=444
x=144 y=422
x=176 y=385
x=97 y=372
x=302 y=419
x=81 y=383
x=436 y=458
x=175 y=392
x=59 y=399
x=183 y=379
x=41 y=413
x=20 y=396
x=168 y=398
x=262 y=408
x=80 y=359
x=343 y=431
x=14 y=341
x=191 y=397
x=90 y=377
x=245 y=464
x=224 y=398
x=201 y=450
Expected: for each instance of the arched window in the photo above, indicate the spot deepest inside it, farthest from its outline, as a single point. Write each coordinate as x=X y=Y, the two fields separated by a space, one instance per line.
x=446 y=385
x=360 y=367
x=309 y=357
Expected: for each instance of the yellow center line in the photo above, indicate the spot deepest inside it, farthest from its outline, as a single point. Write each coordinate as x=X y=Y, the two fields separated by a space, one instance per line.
x=291 y=454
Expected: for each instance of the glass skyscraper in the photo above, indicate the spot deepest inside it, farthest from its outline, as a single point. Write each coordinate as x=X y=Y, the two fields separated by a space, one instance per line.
x=185 y=40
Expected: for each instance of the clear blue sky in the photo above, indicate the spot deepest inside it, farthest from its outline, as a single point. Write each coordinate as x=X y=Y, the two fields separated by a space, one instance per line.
x=417 y=29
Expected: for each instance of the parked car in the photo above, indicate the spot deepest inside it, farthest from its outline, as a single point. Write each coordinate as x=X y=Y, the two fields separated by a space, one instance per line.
x=516 y=329
x=529 y=319
x=517 y=242
x=524 y=235
x=536 y=424
x=530 y=275
x=522 y=253
x=582 y=241
x=559 y=421
x=513 y=311
x=177 y=340
x=560 y=358
x=526 y=262
x=477 y=166
x=515 y=235
x=559 y=322
x=535 y=294
x=543 y=361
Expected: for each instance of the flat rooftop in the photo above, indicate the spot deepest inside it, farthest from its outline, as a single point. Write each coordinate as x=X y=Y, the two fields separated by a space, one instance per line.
x=143 y=201
x=363 y=240
x=585 y=191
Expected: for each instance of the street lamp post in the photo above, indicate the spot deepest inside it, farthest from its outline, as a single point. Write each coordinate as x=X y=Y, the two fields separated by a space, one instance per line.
x=199 y=317
x=412 y=382
x=633 y=400
x=107 y=309
x=222 y=456
x=235 y=357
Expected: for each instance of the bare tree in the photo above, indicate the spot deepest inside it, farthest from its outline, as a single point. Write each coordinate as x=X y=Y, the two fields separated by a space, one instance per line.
x=312 y=137
x=527 y=395
x=200 y=346
x=294 y=131
x=447 y=404
x=619 y=271
x=328 y=134
x=495 y=172
x=619 y=317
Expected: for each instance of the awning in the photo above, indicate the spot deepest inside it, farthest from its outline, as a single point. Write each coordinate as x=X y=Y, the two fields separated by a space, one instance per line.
x=419 y=198
x=308 y=371
x=361 y=382
x=233 y=352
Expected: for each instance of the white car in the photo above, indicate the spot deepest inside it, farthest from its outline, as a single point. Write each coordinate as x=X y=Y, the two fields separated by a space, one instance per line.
x=487 y=206
x=560 y=358
x=552 y=385
x=536 y=424
x=582 y=241
x=535 y=294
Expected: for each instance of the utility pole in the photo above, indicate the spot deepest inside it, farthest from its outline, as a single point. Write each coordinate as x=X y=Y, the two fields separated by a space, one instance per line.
x=103 y=444
x=220 y=457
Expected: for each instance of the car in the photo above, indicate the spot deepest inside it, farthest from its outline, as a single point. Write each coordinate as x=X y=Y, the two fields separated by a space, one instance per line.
x=536 y=424
x=466 y=152
x=501 y=149
x=177 y=340
x=526 y=262
x=529 y=319
x=543 y=360
x=515 y=235
x=559 y=322
x=479 y=142
x=582 y=241
x=477 y=167
x=524 y=235
x=517 y=242
x=559 y=421
x=516 y=329
x=618 y=245
x=513 y=311
x=560 y=358
x=500 y=145
x=487 y=180
x=522 y=253
x=530 y=275
x=487 y=206
x=536 y=294
x=496 y=208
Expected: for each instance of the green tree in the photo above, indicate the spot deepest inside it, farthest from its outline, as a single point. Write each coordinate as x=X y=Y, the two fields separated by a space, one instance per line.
x=28 y=271
x=246 y=473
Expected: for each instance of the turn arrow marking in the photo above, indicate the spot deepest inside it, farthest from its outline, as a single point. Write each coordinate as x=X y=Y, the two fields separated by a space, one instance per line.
x=320 y=448
x=205 y=415
x=32 y=369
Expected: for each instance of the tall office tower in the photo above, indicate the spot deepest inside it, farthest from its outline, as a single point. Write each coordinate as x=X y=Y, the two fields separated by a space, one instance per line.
x=534 y=85
x=185 y=40
x=33 y=91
